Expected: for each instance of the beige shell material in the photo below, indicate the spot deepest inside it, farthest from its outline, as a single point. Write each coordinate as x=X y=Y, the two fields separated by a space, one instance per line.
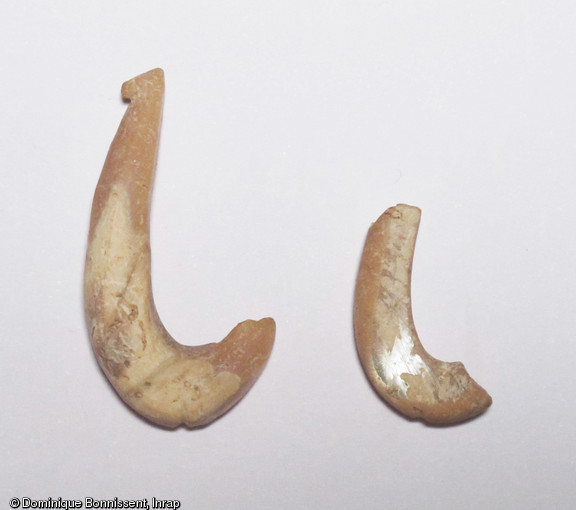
x=400 y=370
x=166 y=382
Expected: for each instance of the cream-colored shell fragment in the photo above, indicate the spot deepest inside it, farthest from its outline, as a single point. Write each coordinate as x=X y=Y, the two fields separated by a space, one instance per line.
x=395 y=362
x=166 y=382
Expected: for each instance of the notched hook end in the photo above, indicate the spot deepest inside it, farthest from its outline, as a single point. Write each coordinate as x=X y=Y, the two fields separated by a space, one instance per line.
x=143 y=84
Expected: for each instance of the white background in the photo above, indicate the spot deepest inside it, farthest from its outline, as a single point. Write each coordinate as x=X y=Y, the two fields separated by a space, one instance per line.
x=288 y=128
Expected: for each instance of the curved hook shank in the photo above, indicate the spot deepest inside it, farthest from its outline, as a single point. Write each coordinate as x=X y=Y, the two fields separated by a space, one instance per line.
x=166 y=382
x=395 y=362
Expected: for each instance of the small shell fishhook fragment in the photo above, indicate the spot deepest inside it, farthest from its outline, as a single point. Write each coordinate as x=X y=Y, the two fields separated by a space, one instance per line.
x=168 y=383
x=400 y=370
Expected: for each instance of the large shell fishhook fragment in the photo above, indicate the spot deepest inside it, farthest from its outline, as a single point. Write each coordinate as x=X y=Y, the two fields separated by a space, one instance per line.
x=400 y=370
x=166 y=382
